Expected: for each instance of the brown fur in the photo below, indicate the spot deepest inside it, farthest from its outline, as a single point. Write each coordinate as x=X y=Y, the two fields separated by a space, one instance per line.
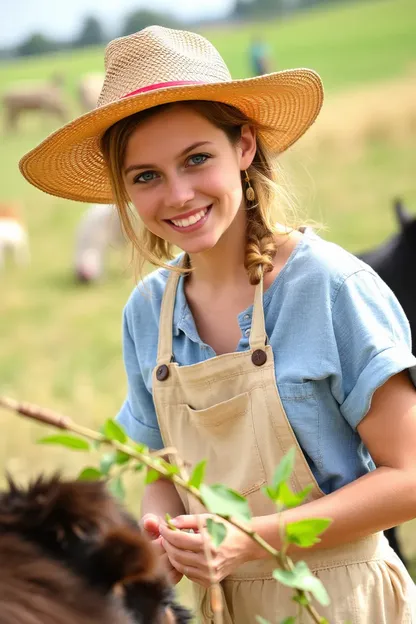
x=71 y=555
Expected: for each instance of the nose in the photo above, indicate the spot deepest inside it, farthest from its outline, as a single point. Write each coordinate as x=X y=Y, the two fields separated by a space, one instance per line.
x=179 y=192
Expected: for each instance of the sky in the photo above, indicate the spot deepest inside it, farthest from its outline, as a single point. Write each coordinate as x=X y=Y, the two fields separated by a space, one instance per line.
x=63 y=19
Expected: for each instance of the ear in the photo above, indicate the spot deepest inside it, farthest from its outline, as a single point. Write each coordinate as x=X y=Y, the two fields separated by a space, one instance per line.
x=125 y=556
x=247 y=145
x=402 y=216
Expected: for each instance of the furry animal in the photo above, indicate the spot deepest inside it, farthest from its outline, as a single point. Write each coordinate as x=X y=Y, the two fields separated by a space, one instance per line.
x=13 y=235
x=99 y=230
x=71 y=555
x=46 y=97
x=395 y=262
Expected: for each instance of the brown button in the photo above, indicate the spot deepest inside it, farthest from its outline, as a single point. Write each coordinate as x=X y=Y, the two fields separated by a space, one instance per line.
x=162 y=372
x=259 y=357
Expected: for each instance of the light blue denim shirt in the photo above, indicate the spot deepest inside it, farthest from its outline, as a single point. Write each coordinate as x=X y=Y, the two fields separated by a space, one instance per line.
x=337 y=334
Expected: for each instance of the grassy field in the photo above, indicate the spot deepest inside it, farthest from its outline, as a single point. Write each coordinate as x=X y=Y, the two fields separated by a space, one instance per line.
x=60 y=343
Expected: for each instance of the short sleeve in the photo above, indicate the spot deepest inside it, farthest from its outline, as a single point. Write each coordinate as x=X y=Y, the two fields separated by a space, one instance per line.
x=137 y=415
x=373 y=342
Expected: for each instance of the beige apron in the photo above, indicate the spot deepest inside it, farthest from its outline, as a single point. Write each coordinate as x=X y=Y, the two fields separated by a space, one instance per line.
x=228 y=410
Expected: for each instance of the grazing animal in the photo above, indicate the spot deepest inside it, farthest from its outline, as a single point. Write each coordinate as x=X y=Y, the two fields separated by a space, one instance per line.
x=71 y=555
x=98 y=231
x=395 y=262
x=13 y=235
x=46 y=97
x=89 y=88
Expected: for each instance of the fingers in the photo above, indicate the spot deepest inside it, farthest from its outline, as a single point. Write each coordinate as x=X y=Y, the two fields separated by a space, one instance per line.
x=181 y=539
x=194 y=521
x=150 y=523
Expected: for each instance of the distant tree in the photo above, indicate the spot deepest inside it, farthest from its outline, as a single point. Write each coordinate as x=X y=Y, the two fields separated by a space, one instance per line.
x=91 y=33
x=137 y=20
x=36 y=44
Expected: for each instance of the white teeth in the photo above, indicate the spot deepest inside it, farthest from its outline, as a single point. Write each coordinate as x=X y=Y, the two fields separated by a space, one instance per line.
x=190 y=220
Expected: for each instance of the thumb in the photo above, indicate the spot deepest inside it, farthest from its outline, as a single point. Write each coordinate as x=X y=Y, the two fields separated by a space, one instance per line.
x=150 y=523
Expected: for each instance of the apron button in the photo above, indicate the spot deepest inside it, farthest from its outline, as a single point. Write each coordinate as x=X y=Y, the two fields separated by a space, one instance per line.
x=162 y=372
x=259 y=357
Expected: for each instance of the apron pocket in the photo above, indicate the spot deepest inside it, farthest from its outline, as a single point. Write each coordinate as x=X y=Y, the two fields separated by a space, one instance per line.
x=223 y=434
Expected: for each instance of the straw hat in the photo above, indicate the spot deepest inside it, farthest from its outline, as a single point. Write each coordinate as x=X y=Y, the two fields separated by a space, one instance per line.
x=155 y=66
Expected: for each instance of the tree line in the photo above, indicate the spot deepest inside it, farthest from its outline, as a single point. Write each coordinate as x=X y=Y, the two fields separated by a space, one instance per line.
x=92 y=31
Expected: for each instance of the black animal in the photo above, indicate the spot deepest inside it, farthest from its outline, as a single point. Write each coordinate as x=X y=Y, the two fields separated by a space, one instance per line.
x=395 y=262
x=71 y=555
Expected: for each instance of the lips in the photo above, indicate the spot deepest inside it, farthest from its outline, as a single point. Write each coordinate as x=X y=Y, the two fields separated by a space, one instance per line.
x=191 y=220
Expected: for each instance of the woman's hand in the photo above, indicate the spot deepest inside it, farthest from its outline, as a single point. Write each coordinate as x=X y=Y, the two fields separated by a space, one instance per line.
x=186 y=550
x=151 y=524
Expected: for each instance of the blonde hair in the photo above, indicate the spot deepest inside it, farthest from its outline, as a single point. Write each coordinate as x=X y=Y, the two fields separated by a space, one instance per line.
x=262 y=213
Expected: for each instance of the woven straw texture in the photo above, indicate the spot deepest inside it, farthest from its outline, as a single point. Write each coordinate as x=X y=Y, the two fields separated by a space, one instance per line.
x=69 y=162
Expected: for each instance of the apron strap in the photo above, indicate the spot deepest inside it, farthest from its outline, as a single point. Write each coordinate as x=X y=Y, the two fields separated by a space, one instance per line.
x=164 y=349
x=258 y=336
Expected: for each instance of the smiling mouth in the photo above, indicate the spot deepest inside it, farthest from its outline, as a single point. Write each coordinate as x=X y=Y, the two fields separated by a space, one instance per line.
x=191 y=220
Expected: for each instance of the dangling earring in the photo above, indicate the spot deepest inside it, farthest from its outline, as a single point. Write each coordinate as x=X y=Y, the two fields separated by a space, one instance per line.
x=250 y=194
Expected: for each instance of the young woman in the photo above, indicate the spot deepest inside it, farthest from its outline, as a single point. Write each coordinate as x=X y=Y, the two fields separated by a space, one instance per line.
x=259 y=337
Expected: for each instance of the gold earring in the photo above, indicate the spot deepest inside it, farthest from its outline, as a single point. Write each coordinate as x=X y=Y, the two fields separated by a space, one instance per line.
x=250 y=194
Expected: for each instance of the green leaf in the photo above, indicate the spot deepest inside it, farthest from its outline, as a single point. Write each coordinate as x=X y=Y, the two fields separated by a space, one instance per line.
x=224 y=501
x=122 y=458
x=116 y=488
x=151 y=476
x=138 y=467
x=261 y=620
x=289 y=620
x=284 y=469
x=69 y=441
x=305 y=533
x=217 y=530
x=290 y=499
x=171 y=468
x=198 y=474
x=107 y=461
x=113 y=431
x=90 y=474
x=302 y=578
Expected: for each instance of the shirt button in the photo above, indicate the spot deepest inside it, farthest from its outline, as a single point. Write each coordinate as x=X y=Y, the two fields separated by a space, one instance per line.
x=247 y=332
x=246 y=317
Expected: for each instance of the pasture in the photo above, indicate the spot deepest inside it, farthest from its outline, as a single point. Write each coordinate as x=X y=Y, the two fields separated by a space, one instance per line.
x=60 y=342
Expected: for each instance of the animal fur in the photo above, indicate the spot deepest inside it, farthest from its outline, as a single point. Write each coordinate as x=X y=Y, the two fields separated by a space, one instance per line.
x=98 y=231
x=13 y=235
x=47 y=98
x=71 y=555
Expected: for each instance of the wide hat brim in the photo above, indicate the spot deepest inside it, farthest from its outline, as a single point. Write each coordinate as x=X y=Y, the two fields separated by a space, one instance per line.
x=69 y=162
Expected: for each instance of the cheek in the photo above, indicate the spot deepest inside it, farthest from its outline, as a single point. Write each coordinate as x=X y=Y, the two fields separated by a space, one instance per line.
x=224 y=183
x=144 y=205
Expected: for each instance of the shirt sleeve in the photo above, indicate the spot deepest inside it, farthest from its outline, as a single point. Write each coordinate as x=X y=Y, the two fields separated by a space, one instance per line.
x=137 y=415
x=373 y=341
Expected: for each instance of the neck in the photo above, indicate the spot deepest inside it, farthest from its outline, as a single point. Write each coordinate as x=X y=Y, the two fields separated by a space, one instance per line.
x=223 y=264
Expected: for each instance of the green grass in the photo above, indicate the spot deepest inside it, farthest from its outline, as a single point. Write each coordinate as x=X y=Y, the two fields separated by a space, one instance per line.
x=60 y=343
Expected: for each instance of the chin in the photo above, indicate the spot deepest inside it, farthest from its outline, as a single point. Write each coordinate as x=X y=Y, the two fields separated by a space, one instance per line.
x=198 y=247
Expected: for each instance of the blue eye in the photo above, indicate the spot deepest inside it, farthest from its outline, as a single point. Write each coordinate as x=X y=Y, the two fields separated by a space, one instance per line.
x=146 y=176
x=198 y=159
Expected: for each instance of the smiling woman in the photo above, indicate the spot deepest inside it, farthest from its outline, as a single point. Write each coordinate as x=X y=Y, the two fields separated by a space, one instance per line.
x=183 y=183
x=258 y=338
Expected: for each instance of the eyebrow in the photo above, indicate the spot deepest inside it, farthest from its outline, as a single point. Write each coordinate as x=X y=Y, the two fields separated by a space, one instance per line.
x=183 y=153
